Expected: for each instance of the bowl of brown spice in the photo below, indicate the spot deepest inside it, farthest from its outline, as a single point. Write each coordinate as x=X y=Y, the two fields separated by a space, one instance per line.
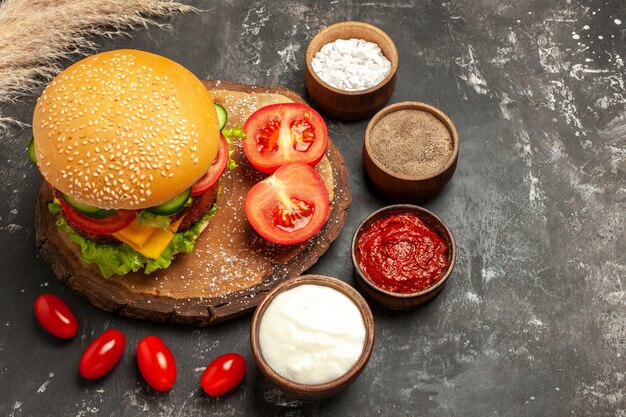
x=410 y=151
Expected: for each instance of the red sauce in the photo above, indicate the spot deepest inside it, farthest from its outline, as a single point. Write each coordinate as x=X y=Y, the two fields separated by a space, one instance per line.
x=401 y=254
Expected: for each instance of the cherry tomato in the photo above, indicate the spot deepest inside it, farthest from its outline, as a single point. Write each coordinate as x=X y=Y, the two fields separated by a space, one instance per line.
x=55 y=316
x=215 y=171
x=279 y=134
x=156 y=363
x=223 y=374
x=118 y=221
x=102 y=354
x=289 y=206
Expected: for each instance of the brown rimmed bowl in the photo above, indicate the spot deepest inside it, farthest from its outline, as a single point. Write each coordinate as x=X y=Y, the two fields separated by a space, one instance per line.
x=343 y=104
x=405 y=188
x=403 y=301
x=317 y=391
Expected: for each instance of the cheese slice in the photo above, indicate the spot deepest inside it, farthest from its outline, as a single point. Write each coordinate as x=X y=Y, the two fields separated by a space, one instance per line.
x=135 y=233
x=147 y=240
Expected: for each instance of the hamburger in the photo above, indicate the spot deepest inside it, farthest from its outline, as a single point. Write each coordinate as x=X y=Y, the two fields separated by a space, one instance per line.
x=130 y=143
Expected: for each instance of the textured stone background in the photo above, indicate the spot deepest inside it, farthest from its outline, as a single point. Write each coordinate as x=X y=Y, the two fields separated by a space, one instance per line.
x=533 y=320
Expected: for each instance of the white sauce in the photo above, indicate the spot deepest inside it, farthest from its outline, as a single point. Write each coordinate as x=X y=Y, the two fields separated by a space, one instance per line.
x=311 y=334
x=351 y=64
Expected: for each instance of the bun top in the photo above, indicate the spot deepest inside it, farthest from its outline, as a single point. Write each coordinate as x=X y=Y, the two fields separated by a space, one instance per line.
x=125 y=129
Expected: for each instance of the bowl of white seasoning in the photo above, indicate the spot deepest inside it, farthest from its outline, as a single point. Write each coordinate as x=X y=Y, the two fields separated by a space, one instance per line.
x=312 y=336
x=351 y=70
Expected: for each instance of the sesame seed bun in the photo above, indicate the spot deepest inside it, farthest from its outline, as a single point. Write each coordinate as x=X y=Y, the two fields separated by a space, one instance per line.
x=125 y=129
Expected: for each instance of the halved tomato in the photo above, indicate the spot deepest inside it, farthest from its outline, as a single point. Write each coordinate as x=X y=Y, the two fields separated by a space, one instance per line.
x=279 y=134
x=114 y=223
x=215 y=171
x=289 y=206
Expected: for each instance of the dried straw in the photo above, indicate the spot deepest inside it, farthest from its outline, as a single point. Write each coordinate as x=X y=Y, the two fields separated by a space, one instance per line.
x=36 y=35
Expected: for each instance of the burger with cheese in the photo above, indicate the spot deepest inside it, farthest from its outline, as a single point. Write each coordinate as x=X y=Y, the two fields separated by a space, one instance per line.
x=130 y=143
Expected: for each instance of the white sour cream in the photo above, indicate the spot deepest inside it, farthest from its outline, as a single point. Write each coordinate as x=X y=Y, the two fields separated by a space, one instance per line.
x=311 y=334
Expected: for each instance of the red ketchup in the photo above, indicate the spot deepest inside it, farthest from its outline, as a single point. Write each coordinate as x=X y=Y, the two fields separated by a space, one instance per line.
x=401 y=254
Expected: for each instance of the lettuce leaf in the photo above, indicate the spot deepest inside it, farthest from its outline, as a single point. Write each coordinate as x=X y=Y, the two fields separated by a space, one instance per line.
x=146 y=218
x=120 y=259
x=229 y=134
x=231 y=164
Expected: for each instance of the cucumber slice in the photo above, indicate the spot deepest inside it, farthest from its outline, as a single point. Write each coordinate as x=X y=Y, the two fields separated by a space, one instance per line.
x=87 y=210
x=32 y=155
x=171 y=206
x=222 y=116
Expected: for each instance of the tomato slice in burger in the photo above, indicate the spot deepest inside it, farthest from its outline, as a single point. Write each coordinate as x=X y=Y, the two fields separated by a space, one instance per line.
x=114 y=223
x=279 y=134
x=215 y=171
x=289 y=206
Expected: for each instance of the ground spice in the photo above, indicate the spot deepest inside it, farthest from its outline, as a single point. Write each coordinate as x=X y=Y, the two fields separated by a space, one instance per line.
x=411 y=142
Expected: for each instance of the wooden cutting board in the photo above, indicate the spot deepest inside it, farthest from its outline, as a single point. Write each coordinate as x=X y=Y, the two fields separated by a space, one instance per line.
x=231 y=268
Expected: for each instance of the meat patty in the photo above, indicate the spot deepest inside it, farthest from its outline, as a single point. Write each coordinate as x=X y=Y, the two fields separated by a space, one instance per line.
x=200 y=206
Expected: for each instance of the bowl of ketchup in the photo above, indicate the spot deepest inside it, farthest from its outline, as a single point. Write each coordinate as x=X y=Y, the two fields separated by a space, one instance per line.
x=402 y=255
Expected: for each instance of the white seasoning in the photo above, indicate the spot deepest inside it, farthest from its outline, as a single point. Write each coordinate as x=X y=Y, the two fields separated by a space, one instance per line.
x=351 y=64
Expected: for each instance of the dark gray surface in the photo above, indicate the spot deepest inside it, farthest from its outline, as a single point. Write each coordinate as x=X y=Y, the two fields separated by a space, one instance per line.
x=533 y=320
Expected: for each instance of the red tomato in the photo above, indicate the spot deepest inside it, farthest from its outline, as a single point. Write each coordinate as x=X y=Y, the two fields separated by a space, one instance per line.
x=289 y=206
x=118 y=221
x=211 y=177
x=102 y=354
x=223 y=374
x=55 y=316
x=279 y=134
x=156 y=363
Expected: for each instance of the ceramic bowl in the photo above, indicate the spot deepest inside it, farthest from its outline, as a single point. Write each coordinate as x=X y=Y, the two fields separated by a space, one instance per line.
x=408 y=188
x=350 y=105
x=317 y=391
x=403 y=301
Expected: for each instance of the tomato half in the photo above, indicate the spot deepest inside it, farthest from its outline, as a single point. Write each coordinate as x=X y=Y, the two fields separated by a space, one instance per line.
x=279 y=134
x=289 y=206
x=55 y=316
x=156 y=363
x=223 y=374
x=215 y=171
x=102 y=354
x=114 y=223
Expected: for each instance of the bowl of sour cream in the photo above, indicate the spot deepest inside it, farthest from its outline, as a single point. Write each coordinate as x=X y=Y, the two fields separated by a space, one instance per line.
x=312 y=336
